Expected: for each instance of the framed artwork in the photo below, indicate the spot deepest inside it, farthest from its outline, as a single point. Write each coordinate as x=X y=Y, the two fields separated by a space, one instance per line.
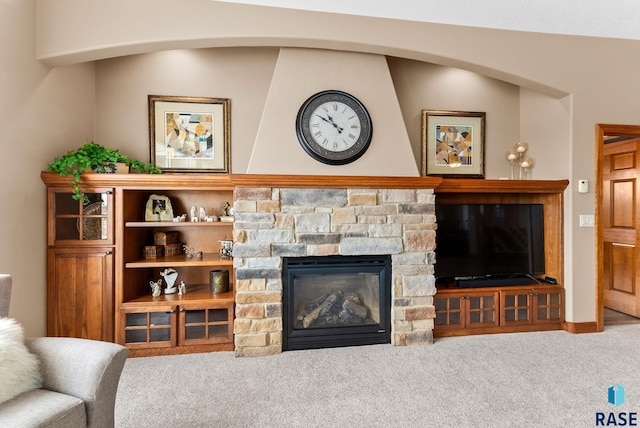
x=453 y=143
x=190 y=134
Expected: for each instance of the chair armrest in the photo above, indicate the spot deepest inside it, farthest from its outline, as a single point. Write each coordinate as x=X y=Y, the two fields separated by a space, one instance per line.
x=87 y=369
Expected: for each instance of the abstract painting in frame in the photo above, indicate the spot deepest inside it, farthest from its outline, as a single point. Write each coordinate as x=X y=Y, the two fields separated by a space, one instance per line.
x=453 y=143
x=189 y=134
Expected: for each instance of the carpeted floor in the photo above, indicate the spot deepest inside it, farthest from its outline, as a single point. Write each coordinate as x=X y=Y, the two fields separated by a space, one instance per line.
x=541 y=379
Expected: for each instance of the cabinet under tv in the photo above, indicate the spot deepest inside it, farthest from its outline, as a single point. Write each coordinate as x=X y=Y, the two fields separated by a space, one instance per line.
x=511 y=282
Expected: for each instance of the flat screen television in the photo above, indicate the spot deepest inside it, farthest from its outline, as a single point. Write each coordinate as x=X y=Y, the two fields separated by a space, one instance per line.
x=488 y=240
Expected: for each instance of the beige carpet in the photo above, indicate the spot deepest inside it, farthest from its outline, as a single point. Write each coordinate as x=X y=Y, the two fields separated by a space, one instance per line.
x=542 y=379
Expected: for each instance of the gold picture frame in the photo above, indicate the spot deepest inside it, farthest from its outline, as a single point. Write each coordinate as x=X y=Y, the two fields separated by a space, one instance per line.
x=453 y=143
x=190 y=134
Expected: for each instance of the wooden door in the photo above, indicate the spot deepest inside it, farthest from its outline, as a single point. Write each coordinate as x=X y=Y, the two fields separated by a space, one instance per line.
x=80 y=293
x=620 y=226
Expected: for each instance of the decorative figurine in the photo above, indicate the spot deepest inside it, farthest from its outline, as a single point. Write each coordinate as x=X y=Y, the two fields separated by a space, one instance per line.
x=203 y=214
x=189 y=251
x=158 y=208
x=180 y=219
x=227 y=212
x=182 y=288
x=193 y=217
x=226 y=248
x=170 y=275
x=156 y=287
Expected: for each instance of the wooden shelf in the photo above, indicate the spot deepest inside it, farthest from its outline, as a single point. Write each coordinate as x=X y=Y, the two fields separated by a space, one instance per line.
x=181 y=261
x=196 y=293
x=152 y=224
x=165 y=181
x=467 y=185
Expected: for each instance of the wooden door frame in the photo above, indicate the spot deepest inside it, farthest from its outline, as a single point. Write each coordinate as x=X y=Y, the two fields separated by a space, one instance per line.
x=603 y=130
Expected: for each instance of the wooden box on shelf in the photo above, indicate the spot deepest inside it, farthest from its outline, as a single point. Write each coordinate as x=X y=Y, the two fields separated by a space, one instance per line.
x=153 y=251
x=165 y=238
x=174 y=249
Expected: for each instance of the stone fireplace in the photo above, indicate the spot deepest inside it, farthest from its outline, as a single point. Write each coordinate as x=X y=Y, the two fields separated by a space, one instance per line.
x=272 y=223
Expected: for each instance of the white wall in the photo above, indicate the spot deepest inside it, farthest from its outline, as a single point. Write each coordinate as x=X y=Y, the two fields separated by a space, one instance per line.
x=123 y=84
x=45 y=113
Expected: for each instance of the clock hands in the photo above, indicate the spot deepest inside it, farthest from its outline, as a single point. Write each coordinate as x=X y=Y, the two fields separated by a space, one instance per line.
x=330 y=120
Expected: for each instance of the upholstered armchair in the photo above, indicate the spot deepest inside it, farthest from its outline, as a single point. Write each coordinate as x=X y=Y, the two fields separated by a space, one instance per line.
x=80 y=380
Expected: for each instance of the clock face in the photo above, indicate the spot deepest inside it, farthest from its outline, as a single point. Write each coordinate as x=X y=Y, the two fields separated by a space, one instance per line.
x=334 y=127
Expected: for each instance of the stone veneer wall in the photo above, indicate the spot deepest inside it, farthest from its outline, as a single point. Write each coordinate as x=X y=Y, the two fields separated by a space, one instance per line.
x=271 y=223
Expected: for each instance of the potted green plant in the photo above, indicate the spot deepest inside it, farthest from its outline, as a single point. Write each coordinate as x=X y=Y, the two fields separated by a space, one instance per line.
x=92 y=157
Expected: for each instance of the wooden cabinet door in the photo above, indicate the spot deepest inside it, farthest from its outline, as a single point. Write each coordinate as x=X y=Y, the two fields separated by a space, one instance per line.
x=548 y=306
x=515 y=307
x=532 y=306
x=75 y=223
x=481 y=309
x=466 y=309
x=80 y=293
x=202 y=324
x=147 y=327
x=449 y=311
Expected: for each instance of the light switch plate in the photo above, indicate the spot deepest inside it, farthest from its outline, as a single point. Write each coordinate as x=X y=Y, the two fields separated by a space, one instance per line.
x=586 y=220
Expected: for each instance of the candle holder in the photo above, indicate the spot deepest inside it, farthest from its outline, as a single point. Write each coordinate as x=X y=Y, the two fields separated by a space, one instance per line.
x=525 y=165
x=518 y=155
x=521 y=148
x=512 y=157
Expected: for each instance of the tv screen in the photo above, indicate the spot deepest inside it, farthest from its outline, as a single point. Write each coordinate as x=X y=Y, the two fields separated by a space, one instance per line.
x=483 y=240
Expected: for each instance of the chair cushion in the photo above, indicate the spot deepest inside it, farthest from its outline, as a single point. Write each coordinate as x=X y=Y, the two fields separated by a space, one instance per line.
x=19 y=368
x=43 y=408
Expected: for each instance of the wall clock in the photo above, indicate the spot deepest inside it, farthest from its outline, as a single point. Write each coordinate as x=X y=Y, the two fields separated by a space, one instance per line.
x=334 y=127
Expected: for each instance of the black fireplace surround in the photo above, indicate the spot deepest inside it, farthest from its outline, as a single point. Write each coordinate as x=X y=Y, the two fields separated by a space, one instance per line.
x=334 y=301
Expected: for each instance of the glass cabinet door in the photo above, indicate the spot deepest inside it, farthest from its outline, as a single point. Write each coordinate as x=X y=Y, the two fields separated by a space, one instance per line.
x=81 y=222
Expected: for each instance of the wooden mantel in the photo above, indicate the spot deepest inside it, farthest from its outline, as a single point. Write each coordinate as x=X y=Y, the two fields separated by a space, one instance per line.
x=334 y=181
x=439 y=184
x=464 y=185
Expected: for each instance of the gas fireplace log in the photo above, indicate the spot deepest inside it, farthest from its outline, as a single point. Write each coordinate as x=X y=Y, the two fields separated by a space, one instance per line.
x=324 y=307
x=355 y=309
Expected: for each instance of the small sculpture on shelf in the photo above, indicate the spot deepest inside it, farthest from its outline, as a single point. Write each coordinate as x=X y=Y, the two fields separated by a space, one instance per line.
x=192 y=252
x=226 y=249
x=158 y=208
x=182 y=288
x=156 y=287
x=227 y=212
x=170 y=275
x=180 y=219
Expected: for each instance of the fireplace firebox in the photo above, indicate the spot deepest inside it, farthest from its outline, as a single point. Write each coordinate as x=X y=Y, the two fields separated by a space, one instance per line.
x=333 y=301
